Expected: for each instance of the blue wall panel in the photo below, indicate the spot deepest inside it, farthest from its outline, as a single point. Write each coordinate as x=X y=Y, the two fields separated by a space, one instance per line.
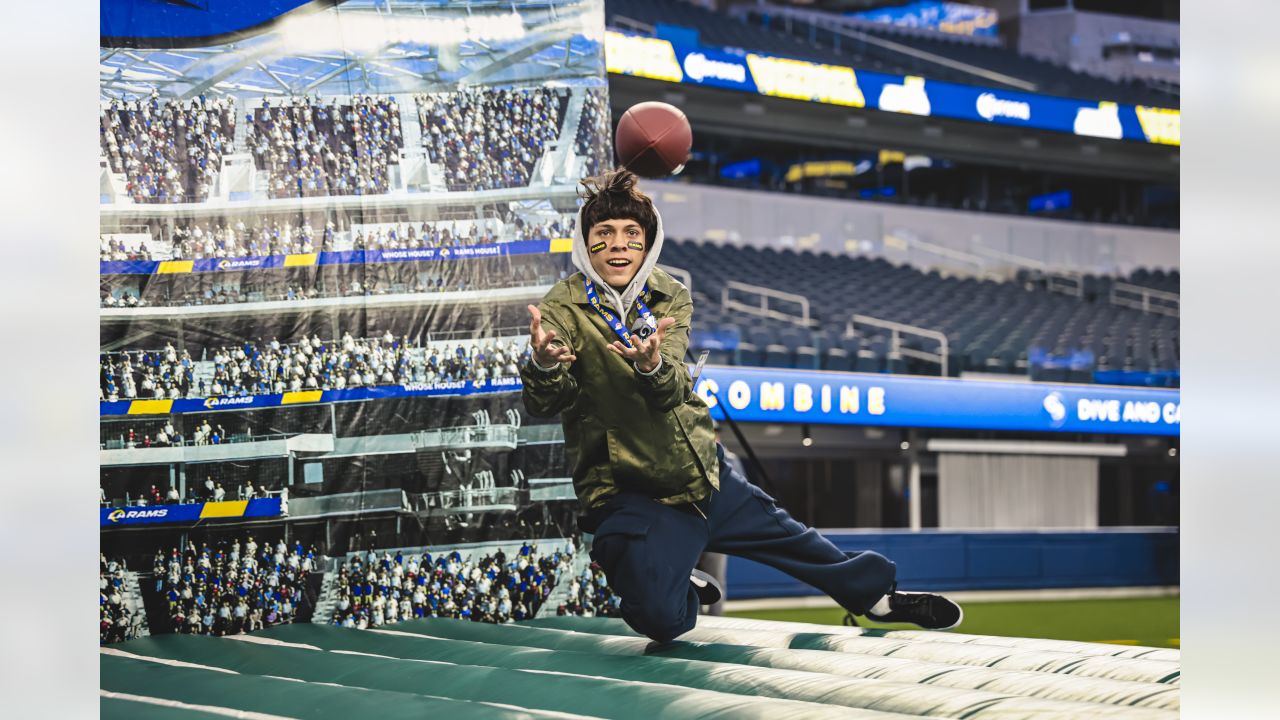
x=949 y=560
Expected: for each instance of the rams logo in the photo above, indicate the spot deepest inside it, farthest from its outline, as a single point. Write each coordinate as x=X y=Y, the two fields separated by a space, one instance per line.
x=119 y=514
x=1056 y=408
x=224 y=264
x=217 y=402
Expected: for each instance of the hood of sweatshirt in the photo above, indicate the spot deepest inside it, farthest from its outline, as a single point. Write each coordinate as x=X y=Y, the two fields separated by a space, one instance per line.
x=620 y=301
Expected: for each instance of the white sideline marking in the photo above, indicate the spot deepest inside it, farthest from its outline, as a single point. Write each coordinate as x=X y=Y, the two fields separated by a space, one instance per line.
x=249 y=638
x=822 y=601
x=163 y=661
x=212 y=709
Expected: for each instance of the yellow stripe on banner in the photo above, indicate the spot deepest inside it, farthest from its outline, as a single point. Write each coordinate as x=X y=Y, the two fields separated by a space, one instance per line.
x=302 y=396
x=175 y=266
x=561 y=245
x=300 y=260
x=150 y=407
x=230 y=508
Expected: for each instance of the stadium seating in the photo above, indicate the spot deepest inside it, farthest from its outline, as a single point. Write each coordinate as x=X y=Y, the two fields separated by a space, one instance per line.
x=117 y=621
x=762 y=33
x=309 y=364
x=169 y=150
x=1016 y=327
x=377 y=589
x=594 y=130
x=232 y=587
x=488 y=139
x=313 y=149
x=591 y=596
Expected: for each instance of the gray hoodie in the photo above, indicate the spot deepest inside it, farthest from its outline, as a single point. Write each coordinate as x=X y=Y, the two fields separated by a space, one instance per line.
x=620 y=301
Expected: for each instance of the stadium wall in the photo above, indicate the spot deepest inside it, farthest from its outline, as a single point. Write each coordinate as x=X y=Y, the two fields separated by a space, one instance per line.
x=957 y=241
x=1022 y=560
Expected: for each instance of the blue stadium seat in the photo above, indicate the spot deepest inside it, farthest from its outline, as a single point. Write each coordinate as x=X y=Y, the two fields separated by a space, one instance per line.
x=837 y=359
x=867 y=361
x=777 y=356
x=750 y=355
x=990 y=324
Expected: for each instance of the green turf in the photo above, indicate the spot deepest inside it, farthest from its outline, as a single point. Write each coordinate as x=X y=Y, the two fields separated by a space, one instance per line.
x=1138 y=621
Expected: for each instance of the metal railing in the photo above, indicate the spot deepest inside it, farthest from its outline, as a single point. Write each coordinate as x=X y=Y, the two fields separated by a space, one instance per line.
x=1065 y=283
x=466 y=436
x=129 y=500
x=468 y=499
x=895 y=342
x=917 y=247
x=121 y=443
x=1148 y=300
x=680 y=274
x=762 y=308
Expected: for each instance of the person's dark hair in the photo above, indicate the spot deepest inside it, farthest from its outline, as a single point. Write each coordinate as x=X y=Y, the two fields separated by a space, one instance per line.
x=613 y=196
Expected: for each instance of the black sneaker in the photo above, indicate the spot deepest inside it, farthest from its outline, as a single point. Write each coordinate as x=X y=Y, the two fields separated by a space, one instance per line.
x=928 y=610
x=708 y=590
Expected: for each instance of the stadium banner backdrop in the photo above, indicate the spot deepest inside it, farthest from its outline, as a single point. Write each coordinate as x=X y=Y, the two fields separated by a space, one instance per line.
x=799 y=396
x=676 y=61
x=191 y=512
x=348 y=257
x=297 y=163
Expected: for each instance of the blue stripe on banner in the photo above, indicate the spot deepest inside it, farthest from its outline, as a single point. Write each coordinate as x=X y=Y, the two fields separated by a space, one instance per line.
x=805 y=396
x=346 y=257
x=185 y=513
x=800 y=396
x=263 y=507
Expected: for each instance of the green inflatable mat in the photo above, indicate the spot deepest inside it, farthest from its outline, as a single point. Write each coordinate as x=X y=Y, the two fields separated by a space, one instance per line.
x=596 y=667
x=155 y=709
x=598 y=672
x=576 y=694
x=279 y=697
x=1059 y=674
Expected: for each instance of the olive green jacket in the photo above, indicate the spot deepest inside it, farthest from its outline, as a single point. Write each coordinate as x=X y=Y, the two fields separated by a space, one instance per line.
x=624 y=430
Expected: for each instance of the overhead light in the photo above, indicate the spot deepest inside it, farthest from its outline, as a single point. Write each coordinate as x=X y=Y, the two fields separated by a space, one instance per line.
x=808 y=438
x=905 y=445
x=1173 y=452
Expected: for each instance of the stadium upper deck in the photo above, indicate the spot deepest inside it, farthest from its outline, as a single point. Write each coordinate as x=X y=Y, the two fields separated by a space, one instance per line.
x=822 y=38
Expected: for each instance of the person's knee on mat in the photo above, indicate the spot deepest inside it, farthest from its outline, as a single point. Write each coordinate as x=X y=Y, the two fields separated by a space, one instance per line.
x=656 y=624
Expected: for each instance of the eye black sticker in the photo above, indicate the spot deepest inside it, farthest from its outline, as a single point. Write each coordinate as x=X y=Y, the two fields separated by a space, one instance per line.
x=598 y=247
x=635 y=245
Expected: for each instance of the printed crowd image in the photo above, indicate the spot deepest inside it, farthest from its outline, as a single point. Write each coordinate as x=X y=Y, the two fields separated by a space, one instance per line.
x=622 y=359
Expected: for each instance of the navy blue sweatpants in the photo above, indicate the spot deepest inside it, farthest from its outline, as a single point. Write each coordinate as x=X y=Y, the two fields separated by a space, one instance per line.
x=647 y=550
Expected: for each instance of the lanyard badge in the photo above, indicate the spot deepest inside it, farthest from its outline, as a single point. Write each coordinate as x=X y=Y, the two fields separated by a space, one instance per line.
x=646 y=325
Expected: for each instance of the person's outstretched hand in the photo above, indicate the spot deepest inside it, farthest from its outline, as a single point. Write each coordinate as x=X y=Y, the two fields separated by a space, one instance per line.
x=544 y=353
x=644 y=353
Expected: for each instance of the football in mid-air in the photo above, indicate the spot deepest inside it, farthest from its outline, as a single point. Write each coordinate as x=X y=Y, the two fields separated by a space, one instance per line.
x=653 y=139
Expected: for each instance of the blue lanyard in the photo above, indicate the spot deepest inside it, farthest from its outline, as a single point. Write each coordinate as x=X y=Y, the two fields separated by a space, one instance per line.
x=613 y=321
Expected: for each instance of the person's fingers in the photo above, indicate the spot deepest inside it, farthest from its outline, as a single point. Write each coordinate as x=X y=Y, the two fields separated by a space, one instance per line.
x=665 y=323
x=535 y=324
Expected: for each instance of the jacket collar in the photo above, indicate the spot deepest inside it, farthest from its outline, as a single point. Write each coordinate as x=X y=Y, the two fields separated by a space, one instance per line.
x=660 y=283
